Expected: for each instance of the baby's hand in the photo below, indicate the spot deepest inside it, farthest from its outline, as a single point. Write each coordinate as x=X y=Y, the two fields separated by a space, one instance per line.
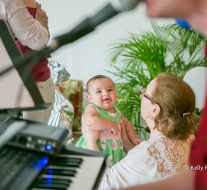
x=135 y=140
x=115 y=128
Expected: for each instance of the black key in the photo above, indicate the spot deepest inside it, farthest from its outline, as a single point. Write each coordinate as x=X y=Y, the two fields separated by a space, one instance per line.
x=71 y=159
x=68 y=162
x=60 y=172
x=54 y=180
x=79 y=160
x=52 y=186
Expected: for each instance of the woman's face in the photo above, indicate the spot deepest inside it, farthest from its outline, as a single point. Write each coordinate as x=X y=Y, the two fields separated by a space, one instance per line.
x=169 y=8
x=147 y=106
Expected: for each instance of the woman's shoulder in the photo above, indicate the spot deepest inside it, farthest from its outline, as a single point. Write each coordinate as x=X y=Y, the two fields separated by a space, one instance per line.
x=154 y=145
x=169 y=155
x=145 y=145
x=163 y=143
x=156 y=140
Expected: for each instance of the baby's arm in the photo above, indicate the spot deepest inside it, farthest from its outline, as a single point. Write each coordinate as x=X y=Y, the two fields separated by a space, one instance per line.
x=130 y=131
x=95 y=122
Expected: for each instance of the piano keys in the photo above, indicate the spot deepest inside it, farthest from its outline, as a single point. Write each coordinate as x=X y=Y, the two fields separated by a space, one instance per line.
x=74 y=172
x=73 y=169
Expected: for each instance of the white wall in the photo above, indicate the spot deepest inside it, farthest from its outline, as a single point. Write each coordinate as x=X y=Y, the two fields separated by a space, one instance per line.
x=87 y=56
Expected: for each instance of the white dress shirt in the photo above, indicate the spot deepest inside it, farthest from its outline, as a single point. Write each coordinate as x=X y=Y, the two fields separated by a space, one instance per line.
x=23 y=26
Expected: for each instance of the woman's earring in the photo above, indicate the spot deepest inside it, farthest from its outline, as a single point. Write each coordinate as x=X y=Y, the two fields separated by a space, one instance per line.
x=152 y=118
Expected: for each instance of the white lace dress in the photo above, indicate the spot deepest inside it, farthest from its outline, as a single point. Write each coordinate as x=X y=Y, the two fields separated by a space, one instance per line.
x=147 y=162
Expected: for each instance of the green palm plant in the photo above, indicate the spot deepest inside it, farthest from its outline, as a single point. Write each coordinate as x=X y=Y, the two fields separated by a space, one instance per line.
x=139 y=58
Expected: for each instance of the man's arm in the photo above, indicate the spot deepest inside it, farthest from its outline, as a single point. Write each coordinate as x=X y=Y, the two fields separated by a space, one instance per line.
x=95 y=122
x=24 y=27
x=182 y=180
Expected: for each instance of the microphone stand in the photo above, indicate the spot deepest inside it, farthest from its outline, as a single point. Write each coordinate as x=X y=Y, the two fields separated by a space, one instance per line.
x=86 y=26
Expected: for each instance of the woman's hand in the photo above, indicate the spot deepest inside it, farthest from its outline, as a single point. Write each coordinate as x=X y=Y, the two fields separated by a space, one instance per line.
x=90 y=135
x=128 y=145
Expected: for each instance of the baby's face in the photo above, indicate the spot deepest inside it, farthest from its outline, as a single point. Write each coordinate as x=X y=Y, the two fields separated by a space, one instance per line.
x=102 y=93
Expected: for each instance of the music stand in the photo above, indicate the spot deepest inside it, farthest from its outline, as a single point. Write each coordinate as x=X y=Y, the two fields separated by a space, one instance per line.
x=16 y=93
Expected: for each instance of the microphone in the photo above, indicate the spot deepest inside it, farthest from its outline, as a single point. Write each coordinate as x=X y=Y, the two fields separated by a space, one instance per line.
x=110 y=10
x=113 y=8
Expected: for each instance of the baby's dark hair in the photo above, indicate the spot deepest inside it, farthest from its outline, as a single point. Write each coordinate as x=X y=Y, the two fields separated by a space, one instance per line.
x=94 y=78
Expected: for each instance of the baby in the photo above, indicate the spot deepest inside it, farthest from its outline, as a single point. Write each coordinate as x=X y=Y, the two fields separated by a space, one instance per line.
x=102 y=115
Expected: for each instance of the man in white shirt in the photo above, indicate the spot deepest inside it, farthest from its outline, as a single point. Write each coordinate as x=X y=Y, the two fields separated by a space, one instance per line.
x=29 y=31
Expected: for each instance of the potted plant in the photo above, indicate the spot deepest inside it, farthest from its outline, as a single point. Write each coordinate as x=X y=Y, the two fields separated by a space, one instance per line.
x=139 y=58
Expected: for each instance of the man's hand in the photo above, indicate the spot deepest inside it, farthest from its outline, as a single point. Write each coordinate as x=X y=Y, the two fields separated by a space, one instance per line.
x=41 y=16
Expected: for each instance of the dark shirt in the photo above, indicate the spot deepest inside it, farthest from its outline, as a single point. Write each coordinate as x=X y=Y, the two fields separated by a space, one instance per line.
x=198 y=159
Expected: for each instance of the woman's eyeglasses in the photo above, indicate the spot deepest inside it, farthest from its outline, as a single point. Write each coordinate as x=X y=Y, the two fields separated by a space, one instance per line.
x=143 y=94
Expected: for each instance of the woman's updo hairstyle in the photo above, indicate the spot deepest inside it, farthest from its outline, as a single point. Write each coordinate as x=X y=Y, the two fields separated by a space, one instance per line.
x=176 y=99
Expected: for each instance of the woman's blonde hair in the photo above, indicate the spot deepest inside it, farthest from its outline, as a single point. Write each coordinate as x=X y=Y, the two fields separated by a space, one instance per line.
x=176 y=99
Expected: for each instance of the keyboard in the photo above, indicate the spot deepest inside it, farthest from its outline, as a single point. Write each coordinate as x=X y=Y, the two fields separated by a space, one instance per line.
x=73 y=169
x=15 y=163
